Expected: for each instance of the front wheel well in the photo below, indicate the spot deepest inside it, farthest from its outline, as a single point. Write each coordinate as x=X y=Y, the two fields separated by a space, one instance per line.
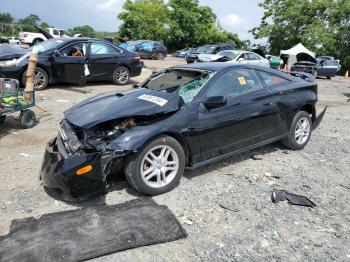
x=178 y=138
x=38 y=66
x=310 y=109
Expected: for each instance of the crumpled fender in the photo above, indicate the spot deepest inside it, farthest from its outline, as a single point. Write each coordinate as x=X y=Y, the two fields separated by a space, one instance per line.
x=135 y=138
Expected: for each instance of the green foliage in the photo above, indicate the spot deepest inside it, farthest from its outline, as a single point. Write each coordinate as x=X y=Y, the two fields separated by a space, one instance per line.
x=178 y=24
x=85 y=30
x=144 y=19
x=29 y=22
x=6 y=28
x=321 y=25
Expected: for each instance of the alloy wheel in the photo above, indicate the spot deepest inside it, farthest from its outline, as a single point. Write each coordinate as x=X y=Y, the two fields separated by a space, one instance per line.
x=122 y=75
x=302 y=131
x=39 y=80
x=159 y=166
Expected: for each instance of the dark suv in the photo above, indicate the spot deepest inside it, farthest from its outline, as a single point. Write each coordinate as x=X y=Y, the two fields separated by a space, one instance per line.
x=146 y=49
x=207 y=49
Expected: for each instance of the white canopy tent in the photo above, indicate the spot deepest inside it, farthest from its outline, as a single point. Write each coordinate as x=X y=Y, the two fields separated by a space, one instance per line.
x=294 y=51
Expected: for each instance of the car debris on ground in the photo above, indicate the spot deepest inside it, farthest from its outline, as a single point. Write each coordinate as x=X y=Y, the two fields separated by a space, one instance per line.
x=280 y=195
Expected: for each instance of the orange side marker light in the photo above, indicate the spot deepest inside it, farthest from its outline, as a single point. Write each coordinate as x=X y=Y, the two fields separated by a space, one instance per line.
x=83 y=170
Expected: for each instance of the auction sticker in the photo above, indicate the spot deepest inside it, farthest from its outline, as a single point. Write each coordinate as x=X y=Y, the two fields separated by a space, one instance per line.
x=242 y=81
x=154 y=99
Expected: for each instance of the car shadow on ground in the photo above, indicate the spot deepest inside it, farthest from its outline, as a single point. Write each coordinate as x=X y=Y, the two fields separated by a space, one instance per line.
x=348 y=96
x=257 y=154
x=119 y=183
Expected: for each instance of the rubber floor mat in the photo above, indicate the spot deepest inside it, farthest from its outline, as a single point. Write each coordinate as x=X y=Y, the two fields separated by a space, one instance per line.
x=90 y=232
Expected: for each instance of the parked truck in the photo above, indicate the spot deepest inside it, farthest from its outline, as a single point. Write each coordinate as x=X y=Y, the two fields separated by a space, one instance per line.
x=35 y=38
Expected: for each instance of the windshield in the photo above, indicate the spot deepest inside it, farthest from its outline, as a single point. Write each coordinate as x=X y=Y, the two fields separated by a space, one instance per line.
x=185 y=83
x=207 y=49
x=229 y=54
x=48 y=45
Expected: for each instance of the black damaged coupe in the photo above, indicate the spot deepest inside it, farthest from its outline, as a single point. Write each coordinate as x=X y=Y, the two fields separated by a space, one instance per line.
x=183 y=117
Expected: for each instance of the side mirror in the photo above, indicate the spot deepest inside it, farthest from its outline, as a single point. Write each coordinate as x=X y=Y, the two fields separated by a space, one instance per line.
x=215 y=102
x=241 y=59
x=56 y=53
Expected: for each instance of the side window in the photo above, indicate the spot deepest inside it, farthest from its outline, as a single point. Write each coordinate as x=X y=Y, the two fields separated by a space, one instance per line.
x=252 y=56
x=77 y=49
x=244 y=56
x=234 y=83
x=55 y=32
x=146 y=47
x=98 y=48
x=272 y=80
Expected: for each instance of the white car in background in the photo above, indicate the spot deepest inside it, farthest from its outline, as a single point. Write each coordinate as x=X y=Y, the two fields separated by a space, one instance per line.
x=235 y=56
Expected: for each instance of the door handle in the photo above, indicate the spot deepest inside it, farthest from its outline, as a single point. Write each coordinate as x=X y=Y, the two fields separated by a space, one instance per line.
x=267 y=104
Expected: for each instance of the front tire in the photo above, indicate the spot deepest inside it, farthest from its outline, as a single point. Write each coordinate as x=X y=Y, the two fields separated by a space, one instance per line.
x=157 y=168
x=41 y=79
x=300 y=131
x=121 y=75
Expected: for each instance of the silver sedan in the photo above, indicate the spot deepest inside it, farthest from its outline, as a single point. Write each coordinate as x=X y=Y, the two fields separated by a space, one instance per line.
x=235 y=56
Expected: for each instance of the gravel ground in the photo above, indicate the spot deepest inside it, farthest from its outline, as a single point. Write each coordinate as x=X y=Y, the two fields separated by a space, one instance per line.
x=226 y=207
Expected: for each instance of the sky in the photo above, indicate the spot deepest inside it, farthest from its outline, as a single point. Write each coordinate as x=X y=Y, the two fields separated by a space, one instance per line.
x=234 y=15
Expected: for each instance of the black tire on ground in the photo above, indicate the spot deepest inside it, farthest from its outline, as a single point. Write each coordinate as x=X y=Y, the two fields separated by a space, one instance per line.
x=27 y=118
x=159 y=56
x=37 y=41
x=41 y=79
x=121 y=75
x=329 y=77
x=134 y=162
x=290 y=141
x=2 y=119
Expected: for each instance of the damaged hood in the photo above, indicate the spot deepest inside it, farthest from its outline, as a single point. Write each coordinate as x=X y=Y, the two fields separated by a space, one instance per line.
x=305 y=57
x=109 y=106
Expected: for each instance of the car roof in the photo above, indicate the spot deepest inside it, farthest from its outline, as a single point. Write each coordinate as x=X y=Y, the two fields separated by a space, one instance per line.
x=214 y=66
x=218 y=66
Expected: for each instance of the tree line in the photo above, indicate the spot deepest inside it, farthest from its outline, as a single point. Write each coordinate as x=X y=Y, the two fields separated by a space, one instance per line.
x=323 y=26
x=177 y=23
x=9 y=26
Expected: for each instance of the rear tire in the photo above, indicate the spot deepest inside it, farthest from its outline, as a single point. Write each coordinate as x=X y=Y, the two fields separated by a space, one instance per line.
x=37 y=41
x=300 y=131
x=160 y=56
x=121 y=75
x=157 y=168
x=27 y=118
x=41 y=79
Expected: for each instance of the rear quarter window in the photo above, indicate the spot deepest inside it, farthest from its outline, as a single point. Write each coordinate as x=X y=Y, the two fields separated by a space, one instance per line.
x=272 y=80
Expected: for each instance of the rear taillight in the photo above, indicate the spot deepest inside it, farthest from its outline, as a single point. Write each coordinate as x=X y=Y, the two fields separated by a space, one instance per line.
x=25 y=35
x=137 y=59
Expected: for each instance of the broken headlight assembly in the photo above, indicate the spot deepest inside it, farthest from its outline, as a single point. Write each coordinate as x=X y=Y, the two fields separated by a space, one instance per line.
x=98 y=137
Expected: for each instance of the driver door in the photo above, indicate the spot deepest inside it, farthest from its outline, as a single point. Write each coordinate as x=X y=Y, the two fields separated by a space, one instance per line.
x=68 y=67
x=248 y=118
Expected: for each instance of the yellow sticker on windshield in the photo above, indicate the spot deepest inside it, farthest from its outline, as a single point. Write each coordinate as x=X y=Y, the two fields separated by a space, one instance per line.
x=242 y=81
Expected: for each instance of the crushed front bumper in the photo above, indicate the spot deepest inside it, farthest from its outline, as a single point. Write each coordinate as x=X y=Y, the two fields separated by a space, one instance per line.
x=58 y=173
